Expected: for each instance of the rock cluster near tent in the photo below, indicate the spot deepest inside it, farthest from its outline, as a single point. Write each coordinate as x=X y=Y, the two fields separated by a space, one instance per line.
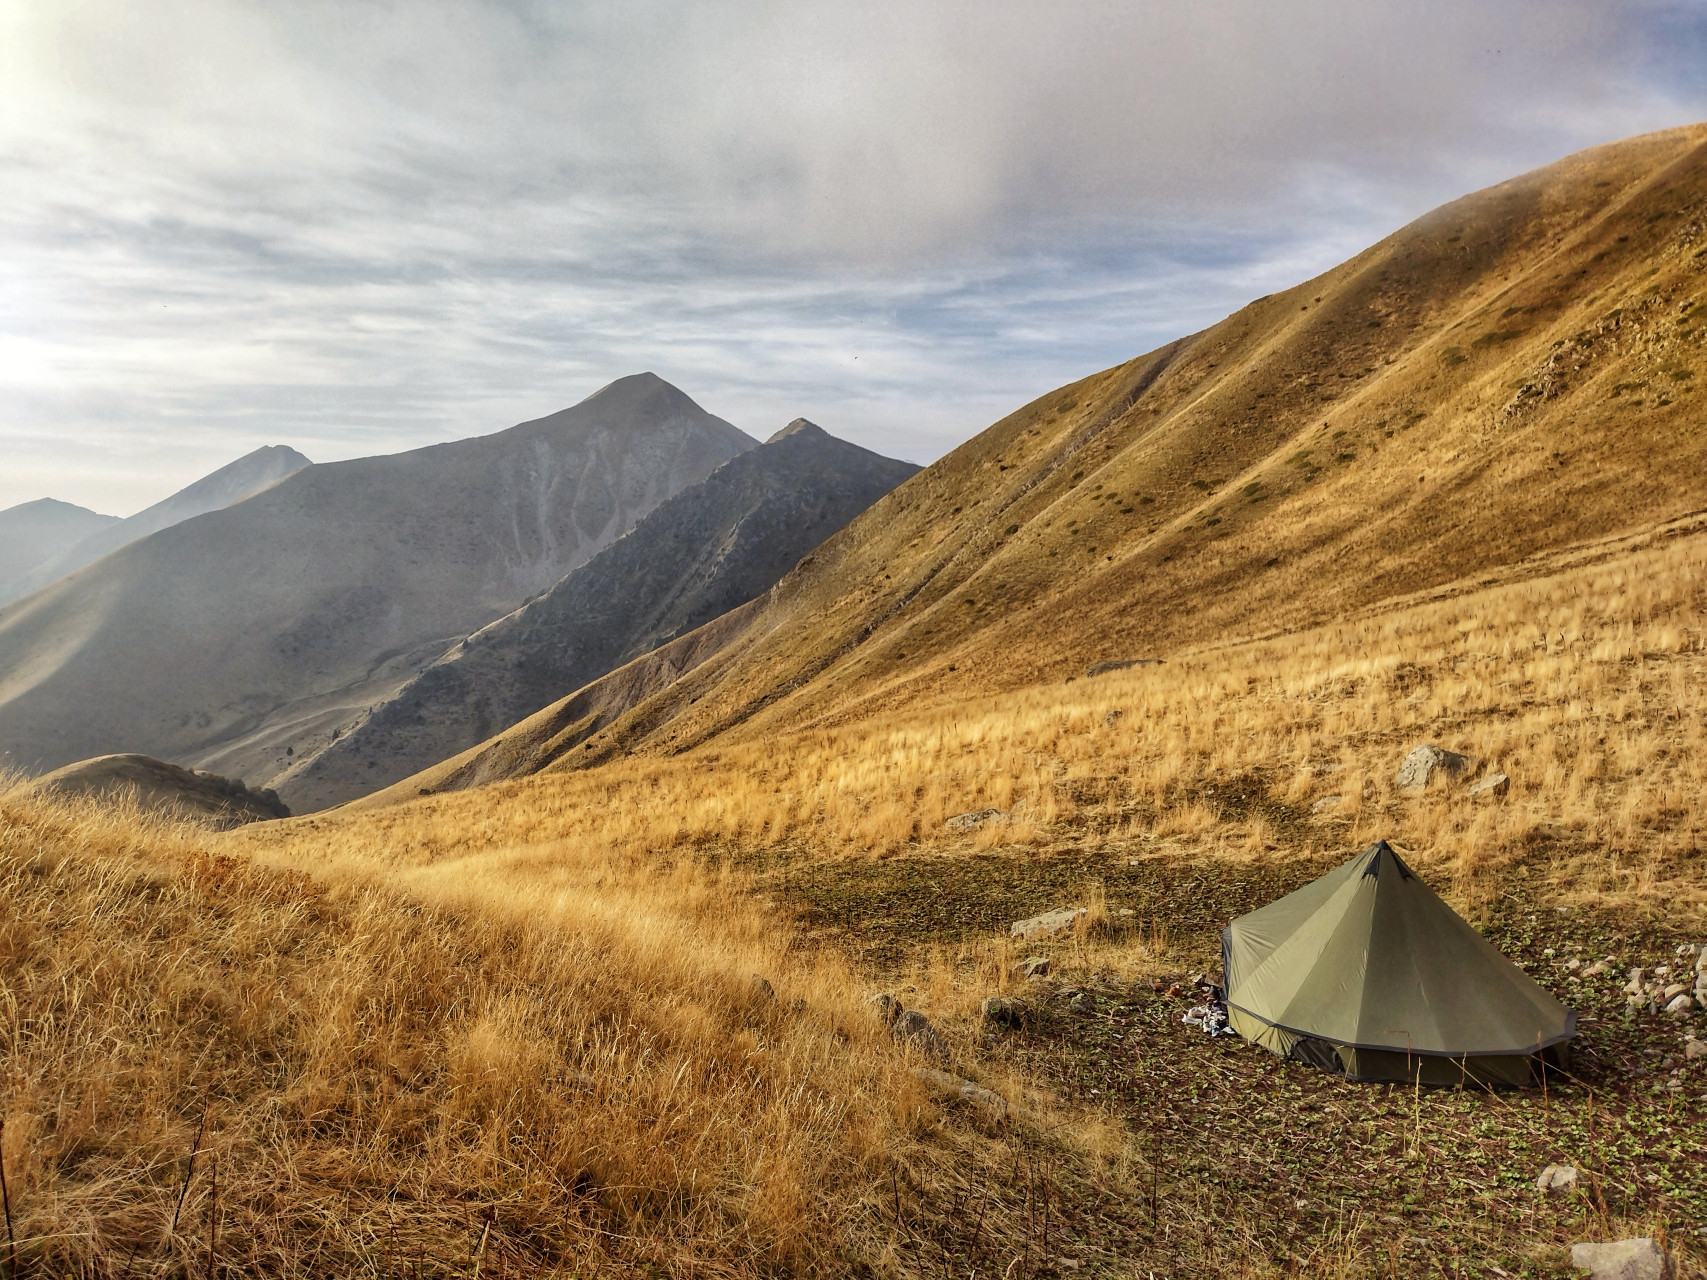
x=1678 y=989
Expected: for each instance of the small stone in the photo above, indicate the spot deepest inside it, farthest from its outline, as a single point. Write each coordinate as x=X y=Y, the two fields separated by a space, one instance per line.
x=1082 y=1002
x=1495 y=784
x=1681 y=1006
x=1596 y=969
x=1638 y=1259
x=763 y=992
x=1694 y=1049
x=913 y=1027
x=1662 y=971
x=1126 y=911
x=1549 y=953
x=975 y=819
x=886 y=1007
x=1325 y=803
x=1701 y=961
x=1686 y=949
x=1033 y=967
x=1635 y=986
x=1048 y=924
x=1000 y=1010
x=1421 y=765
x=1557 y=1177
x=1676 y=989
x=1112 y=715
x=1573 y=964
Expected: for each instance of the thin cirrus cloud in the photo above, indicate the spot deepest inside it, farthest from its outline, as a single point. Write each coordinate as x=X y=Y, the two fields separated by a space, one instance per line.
x=359 y=227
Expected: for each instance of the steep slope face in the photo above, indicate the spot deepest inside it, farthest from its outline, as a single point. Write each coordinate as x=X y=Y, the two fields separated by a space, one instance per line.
x=231 y=484
x=33 y=533
x=1513 y=373
x=708 y=550
x=256 y=631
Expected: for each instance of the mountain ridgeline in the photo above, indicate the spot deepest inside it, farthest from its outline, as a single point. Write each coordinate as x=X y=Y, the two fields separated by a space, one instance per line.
x=33 y=533
x=260 y=630
x=1509 y=376
x=707 y=550
x=229 y=485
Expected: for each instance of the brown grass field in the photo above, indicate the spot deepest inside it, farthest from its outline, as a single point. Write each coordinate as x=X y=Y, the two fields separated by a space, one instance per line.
x=517 y=1028
x=607 y=1014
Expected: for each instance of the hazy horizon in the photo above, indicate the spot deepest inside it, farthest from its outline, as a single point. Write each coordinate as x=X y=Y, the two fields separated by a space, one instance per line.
x=362 y=229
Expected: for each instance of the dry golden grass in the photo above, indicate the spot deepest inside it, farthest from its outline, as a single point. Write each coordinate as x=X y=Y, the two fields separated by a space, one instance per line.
x=1585 y=686
x=430 y=1072
x=525 y=1015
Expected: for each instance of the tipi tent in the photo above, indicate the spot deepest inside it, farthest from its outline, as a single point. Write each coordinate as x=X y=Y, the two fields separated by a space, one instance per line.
x=1367 y=972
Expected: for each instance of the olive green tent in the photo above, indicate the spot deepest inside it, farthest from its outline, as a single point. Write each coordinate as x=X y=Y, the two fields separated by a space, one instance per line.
x=1368 y=973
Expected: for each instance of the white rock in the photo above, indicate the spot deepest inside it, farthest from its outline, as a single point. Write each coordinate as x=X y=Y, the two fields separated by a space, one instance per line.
x=1676 y=989
x=1662 y=971
x=1701 y=961
x=1048 y=924
x=947 y=1087
x=1680 y=1006
x=1596 y=969
x=1638 y=1259
x=975 y=819
x=1495 y=784
x=1573 y=964
x=1635 y=986
x=1694 y=1049
x=1420 y=766
x=1557 y=1177
x=1326 y=802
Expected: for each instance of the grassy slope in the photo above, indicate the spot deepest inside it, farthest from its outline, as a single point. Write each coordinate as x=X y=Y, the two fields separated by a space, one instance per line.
x=1502 y=378
x=529 y=1005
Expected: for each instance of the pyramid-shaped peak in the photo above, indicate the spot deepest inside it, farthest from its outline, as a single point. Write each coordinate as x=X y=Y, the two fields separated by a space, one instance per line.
x=642 y=389
x=801 y=427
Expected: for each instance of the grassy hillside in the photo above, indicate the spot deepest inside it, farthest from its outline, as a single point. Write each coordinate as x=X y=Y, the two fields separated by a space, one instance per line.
x=514 y=1028
x=1505 y=377
x=525 y=1014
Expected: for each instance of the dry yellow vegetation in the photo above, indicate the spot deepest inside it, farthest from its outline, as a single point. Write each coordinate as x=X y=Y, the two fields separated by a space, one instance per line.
x=214 y=1057
x=1587 y=685
x=515 y=1029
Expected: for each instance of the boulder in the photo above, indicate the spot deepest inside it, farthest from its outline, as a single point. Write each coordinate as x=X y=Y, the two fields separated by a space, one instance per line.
x=1421 y=765
x=1557 y=1177
x=1048 y=924
x=1638 y=1259
x=975 y=819
x=914 y=1028
x=947 y=1087
x=886 y=1007
x=1495 y=784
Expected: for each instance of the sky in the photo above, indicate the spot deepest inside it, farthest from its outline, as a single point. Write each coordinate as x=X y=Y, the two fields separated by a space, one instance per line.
x=357 y=228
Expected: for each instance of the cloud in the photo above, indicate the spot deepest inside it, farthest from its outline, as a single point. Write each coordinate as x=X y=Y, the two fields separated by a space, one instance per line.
x=356 y=227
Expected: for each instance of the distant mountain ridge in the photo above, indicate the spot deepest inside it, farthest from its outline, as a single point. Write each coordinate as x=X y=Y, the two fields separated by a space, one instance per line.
x=707 y=550
x=232 y=483
x=258 y=630
x=33 y=533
